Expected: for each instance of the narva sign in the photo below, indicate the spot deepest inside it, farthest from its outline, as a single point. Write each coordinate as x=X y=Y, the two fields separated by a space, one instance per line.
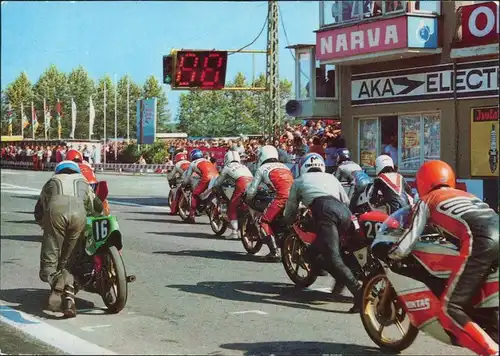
x=480 y=24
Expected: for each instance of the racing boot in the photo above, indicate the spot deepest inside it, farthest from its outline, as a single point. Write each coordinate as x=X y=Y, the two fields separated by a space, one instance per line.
x=273 y=255
x=234 y=231
x=357 y=293
x=68 y=303
x=337 y=289
x=56 y=294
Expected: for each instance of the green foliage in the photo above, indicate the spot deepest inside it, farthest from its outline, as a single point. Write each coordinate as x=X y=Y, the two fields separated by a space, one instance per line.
x=156 y=153
x=228 y=113
x=130 y=154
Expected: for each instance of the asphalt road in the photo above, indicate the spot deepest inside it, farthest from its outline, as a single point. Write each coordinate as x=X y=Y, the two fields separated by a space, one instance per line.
x=194 y=294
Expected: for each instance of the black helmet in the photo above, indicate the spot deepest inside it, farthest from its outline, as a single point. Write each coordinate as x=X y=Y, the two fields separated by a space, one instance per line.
x=343 y=155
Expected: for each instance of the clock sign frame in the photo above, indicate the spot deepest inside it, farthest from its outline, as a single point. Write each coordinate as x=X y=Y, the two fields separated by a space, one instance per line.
x=199 y=69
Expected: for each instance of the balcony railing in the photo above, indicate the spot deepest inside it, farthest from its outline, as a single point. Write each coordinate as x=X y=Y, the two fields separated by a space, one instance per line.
x=334 y=13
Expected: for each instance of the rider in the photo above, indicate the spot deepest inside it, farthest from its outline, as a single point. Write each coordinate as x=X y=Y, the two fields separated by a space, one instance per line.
x=467 y=222
x=206 y=170
x=61 y=211
x=181 y=165
x=278 y=177
x=395 y=190
x=346 y=167
x=239 y=176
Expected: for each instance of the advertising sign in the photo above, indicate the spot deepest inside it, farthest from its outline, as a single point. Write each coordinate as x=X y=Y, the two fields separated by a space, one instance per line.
x=484 y=142
x=372 y=37
x=422 y=32
x=215 y=152
x=146 y=121
x=472 y=80
x=480 y=24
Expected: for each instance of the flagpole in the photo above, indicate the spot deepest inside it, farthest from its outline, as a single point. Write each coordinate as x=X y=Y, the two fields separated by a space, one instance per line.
x=91 y=123
x=59 y=128
x=45 y=117
x=22 y=120
x=116 y=120
x=32 y=120
x=128 y=109
x=105 y=122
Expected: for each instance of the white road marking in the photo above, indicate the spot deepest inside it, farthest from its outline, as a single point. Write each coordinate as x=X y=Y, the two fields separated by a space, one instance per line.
x=93 y=311
x=91 y=328
x=260 y=312
x=322 y=289
x=49 y=334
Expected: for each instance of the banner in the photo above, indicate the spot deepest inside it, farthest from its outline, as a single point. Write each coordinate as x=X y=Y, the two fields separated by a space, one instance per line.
x=146 y=121
x=484 y=142
x=91 y=118
x=73 y=118
x=216 y=152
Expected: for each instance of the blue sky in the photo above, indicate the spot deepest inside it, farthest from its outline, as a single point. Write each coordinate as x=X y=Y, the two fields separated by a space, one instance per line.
x=114 y=37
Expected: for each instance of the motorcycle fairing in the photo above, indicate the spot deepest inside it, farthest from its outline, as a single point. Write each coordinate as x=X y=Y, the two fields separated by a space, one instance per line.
x=306 y=237
x=208 y=191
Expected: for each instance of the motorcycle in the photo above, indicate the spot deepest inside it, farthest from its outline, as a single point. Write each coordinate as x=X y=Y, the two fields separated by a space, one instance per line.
x=412 y=286
x=98 y=265
x=186 y=194
x=217 y=209
x=173 y=190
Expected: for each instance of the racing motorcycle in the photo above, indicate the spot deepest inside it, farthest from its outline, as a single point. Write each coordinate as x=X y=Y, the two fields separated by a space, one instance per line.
x=186 y=194
x=98 y=266
x=410 y=287
x=217 y=208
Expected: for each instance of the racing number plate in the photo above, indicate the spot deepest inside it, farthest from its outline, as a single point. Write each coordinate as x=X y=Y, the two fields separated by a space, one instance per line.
x=100 y=229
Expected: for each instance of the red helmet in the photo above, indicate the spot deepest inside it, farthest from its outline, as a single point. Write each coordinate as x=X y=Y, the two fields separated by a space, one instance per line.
x=434 y=174
x=181 y=156
x=74 y=155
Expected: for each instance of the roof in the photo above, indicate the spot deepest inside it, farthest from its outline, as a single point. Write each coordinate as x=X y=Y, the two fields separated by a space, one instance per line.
x=300 y=46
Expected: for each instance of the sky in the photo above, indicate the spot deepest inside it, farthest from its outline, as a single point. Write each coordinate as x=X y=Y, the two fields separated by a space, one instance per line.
x=118 y=37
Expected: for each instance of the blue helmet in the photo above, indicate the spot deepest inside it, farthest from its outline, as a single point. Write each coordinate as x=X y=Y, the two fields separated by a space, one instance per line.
x=343 y=154
x=67 y=167
x=195 y=154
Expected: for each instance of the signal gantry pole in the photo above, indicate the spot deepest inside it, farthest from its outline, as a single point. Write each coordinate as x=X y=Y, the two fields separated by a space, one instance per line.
x=272 y=68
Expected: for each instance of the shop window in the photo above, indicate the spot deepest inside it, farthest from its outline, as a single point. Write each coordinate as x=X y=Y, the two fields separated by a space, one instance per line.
x=432 y=137
x=389 y=137
x=409 y=149
x=368 y=134
x=304 y=75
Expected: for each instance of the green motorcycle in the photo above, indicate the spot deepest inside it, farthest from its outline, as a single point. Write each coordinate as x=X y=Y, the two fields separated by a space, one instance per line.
x=98 y=266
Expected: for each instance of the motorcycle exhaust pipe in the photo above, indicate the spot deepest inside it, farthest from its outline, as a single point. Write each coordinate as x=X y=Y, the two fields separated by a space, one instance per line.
x=130 y=279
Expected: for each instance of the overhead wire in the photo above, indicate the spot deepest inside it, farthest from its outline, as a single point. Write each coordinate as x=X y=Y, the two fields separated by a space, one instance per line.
x=255 y=39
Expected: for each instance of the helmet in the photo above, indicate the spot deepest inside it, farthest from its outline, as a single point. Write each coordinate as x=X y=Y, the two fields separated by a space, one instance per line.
x=231 y=156
x=74 y=155
x=181 y=156
x=309 y=161
x=195 y=154
x=67 y=167
x=343 y=154
x=267 y=152
x=382 y=162
x=361 y=180
x=434 y=174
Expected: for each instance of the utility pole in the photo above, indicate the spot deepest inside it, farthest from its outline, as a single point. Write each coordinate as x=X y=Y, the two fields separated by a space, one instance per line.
x=272 y=68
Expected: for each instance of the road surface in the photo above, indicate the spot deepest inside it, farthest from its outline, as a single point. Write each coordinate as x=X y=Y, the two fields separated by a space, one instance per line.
x=194 y=294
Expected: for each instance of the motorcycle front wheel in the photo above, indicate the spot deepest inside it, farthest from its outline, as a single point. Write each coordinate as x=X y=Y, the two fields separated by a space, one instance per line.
x=379 y=311
x=183 y=208
x=114 y=290
x=292 y=257
x=217 y=222
x=249 y=235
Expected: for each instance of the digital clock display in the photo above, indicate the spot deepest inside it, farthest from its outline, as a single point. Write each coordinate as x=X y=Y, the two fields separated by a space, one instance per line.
x=200 y=69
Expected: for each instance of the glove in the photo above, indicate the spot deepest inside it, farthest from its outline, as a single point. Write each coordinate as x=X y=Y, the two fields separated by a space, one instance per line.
x=382 y=249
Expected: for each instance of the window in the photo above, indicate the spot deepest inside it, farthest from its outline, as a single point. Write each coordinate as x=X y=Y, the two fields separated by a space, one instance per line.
x=425 y=6
x=304 y=75
x=368 y=135
x=326 y=81
x=432 y=137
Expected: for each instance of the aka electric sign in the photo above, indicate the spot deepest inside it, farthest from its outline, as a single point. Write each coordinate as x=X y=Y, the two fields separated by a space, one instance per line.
x=470 y=80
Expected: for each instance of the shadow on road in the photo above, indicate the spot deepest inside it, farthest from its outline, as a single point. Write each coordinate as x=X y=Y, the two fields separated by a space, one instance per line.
x=164 y=221
x=28 y=238
x=24 y=212
x=302 y=348
x=152 y=201
x=21 y=221
x=220 y=255
x=31 y=197
x=286 y=295
x=154 y=213
x=34 y=300
x=194 y=235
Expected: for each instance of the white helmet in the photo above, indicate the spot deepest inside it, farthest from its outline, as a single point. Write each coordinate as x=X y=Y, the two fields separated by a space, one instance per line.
x=383 y=161
x=267 y=152
x=311 y=160
x=231 y=156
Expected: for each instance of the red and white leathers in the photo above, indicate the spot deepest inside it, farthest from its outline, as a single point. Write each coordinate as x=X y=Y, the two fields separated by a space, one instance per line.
x=177 y=173
x=279 y=178
x=241 y=177
x=206 y=170
x=473 y=226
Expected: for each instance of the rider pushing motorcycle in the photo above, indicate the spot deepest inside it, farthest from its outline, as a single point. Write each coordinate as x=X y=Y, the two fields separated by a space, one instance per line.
x=240 y=176
x=327 y=199
x=470 y=224
x=181 y=165
x=346 y=166
x=206 y=170
x=278 y=177
x=61 y=211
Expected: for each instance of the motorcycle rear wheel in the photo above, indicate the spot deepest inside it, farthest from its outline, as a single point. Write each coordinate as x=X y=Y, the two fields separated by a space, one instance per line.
x=183 y=208
x=287 y=256
x=170 y=198
x=117 y=282
x=218 y=225
x=252 y=244
x=369 y=320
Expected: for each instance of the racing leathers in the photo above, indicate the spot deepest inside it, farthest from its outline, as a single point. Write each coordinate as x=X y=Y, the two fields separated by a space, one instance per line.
x=345 y=173
x=279 y=178
x=177 y=173
x=328 y=201
x=61 y=210
x=240 y=177
x=206 y=170
x=396 y=193
x=472 y=225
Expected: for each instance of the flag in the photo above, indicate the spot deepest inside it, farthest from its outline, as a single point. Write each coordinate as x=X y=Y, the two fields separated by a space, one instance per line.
x=34 y=120
x=73 y=118
x=91 y=118
x=46 y=117
x=25 y=120
x=10 y=117
x=58 y=116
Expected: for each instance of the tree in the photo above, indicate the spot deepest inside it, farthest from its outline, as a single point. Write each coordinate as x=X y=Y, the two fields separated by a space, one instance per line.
x=20 y=91
x=153 y=89
x=134 y=94
x=80 y=88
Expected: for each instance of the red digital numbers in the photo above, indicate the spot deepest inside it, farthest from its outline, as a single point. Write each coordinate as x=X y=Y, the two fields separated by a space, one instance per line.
x=201 y=69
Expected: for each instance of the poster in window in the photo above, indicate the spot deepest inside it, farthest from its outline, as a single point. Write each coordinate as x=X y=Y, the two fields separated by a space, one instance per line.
x=410 y=143
x=484 y=142
x=368 y=133
x=432 y=137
